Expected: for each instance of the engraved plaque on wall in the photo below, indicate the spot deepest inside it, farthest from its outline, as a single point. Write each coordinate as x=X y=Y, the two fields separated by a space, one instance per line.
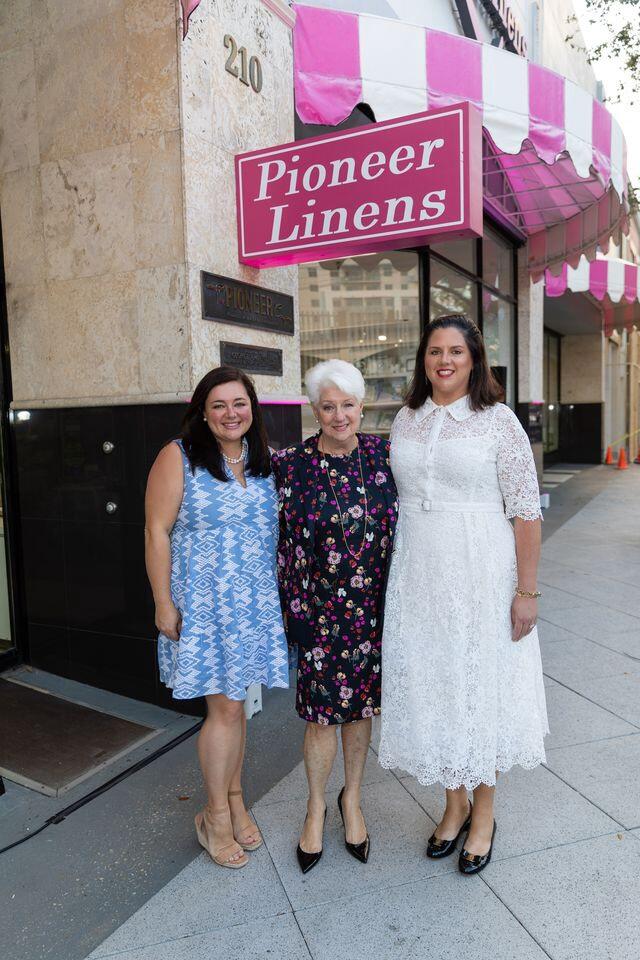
x=262 y=360
x=230 y=301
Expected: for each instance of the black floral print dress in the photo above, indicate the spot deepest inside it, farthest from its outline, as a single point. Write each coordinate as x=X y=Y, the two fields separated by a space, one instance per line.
x=333 y=599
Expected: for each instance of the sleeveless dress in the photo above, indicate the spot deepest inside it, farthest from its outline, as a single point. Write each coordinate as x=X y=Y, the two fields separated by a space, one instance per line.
x=224 y=583
x=460 y=699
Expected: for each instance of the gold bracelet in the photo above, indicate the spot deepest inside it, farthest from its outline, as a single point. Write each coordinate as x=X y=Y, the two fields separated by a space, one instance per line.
x=528 y=594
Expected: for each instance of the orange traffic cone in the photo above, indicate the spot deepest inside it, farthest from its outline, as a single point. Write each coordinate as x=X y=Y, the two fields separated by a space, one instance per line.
x=622 y=459
x=637 y=459
x=608 y=457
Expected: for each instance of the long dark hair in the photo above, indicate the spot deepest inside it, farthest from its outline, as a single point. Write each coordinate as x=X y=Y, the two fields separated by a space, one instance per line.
x=484 y=389
x=200 y=445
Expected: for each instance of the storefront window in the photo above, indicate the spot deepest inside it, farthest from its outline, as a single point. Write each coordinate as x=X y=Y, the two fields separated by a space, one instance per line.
x=497 y=262
x=368 y=313
x=461 y=252
x=451 y=292
x=367 y=310
x=498 y=329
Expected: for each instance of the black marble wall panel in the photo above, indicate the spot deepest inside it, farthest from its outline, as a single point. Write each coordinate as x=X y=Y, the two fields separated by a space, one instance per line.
x=89 y=605
x=580 y=433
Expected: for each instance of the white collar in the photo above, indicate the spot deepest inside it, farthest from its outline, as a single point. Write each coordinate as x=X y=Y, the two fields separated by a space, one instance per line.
x=459 y=409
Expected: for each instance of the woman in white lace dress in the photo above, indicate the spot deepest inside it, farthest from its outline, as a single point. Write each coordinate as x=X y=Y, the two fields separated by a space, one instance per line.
x=462 y=689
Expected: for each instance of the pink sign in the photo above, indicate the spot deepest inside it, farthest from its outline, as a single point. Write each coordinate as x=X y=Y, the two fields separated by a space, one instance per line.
x=394 y=184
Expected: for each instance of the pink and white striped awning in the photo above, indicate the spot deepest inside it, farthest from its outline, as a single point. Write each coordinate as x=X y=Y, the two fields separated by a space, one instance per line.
x=604 y=278
x=616 y=283
x=554 y=164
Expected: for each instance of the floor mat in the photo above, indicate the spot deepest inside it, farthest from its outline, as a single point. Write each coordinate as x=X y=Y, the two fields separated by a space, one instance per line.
x=50 y=744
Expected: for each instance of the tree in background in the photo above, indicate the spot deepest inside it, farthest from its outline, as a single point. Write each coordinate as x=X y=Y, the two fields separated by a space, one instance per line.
x=620 y=21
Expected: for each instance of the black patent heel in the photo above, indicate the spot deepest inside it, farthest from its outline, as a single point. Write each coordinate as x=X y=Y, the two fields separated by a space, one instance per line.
x=469 y=863
x=358 y=850
x=437 y=848
x=307 y=861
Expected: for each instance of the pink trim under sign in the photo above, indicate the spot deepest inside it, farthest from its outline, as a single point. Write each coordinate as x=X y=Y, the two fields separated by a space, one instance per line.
x=389 y=185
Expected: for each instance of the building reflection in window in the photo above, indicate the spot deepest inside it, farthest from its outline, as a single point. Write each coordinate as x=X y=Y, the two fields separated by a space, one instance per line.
x=365 y=310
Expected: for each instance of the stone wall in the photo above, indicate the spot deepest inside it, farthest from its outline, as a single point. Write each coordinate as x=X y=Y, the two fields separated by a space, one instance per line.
x=221 y=117
x=117 y=189
x=581 y=369
x=91 y=200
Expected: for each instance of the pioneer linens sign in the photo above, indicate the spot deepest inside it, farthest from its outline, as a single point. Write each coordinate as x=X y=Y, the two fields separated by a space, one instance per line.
x=394 y=184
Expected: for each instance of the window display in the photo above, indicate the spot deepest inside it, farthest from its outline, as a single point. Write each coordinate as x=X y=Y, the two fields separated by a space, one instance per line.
x=365 y=310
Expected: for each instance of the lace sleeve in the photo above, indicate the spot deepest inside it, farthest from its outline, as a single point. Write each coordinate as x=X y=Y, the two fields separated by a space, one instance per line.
x=516 y=468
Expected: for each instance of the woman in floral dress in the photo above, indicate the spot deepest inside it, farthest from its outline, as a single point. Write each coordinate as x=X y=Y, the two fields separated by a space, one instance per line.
x=338 y=513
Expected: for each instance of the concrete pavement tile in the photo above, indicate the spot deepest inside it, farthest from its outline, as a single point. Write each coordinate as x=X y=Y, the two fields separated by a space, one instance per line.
x=376 y=729
x=619 y=694
x=578 y=901
x=201 y=898
x=277 y=937
x=399 y=830
x=445 y=918
x=591 y=587
x=523 y=801
x=577 y=660
x=627 y=642
x=549 y=633
x=555 y=598
x=593 y=621
x=574 y=719
x=605 y=562
x=294 y=785
x=606 y=772
x=547 y=567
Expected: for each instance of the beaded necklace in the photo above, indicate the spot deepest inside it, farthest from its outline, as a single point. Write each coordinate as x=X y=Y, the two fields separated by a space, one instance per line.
x=324 y=465
x=244 y=450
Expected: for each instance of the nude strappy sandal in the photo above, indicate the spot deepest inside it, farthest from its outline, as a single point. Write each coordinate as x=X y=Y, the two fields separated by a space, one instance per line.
x=250 y=827
x=217 y=855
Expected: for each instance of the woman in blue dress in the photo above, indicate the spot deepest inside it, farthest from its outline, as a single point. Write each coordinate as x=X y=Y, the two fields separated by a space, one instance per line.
x=211 y=537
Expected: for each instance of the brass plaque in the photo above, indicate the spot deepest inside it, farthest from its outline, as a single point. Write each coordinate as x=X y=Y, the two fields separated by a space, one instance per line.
x=262 y=360
x=231 y=301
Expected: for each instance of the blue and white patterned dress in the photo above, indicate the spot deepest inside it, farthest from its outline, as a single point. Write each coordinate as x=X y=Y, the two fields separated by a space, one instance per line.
x=224 y=583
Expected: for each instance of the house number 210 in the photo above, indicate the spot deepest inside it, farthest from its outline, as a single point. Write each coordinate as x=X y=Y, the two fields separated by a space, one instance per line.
x=250 y=70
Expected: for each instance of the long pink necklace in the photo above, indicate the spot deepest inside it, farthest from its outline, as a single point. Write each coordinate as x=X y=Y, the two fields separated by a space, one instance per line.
x=324 y=465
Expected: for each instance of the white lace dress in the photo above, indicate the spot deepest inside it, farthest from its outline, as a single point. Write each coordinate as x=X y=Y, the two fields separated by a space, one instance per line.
x=460 y=699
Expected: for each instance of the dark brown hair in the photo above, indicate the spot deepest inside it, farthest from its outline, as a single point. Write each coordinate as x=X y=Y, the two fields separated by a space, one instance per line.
x=484 y=389
x=200 y=445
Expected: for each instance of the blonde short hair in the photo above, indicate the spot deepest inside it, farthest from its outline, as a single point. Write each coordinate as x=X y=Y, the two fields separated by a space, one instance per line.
x=334 y=373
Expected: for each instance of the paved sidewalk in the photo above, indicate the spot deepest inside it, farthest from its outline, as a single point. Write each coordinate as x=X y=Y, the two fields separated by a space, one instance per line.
x=565 y=878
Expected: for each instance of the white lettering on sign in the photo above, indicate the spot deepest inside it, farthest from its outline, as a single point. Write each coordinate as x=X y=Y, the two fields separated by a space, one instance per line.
x=340 y=220
x=402 y=160
x=398 y=182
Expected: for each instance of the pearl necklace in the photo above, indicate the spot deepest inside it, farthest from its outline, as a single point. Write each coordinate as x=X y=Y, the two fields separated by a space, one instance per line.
x=243 y=454
x=323 y=463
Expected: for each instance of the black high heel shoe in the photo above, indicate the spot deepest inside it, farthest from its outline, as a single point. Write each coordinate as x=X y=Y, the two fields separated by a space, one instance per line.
x=358 y=850
x=437 y=848
x=468 y=863
x=306 y=860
